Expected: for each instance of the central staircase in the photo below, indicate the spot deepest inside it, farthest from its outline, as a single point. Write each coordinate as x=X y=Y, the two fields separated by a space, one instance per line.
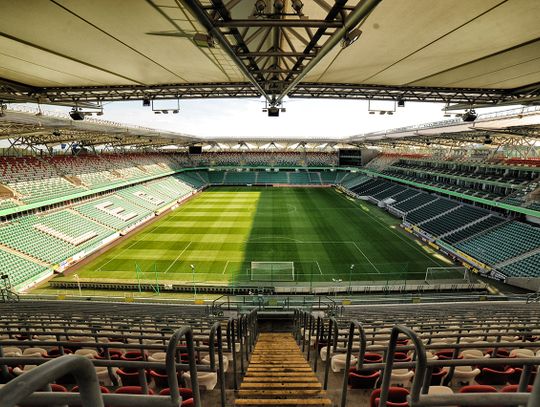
x=278 y=375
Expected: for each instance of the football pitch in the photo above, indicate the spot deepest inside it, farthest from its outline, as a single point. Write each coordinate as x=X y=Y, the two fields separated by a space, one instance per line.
x=299 y=234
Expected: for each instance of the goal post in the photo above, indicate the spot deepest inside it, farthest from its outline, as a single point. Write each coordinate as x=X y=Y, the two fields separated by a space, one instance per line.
x=272 y=271
x=447 y=273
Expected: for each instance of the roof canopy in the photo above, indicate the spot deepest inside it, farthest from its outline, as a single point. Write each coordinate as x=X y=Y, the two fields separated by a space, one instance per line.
x=475 y=51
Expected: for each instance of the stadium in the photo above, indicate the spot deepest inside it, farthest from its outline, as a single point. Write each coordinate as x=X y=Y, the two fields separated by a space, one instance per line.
x=144 y=264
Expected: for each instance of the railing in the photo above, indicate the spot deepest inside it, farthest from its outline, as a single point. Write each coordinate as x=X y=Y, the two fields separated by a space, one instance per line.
x=22 y=388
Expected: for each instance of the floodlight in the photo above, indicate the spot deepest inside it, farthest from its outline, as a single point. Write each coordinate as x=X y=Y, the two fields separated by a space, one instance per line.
x=469 y=116
x=351 y=37
x=279 y=5
x=204 y=40
x=260 y=6
x=146 y=102
x=400 y=103
x=76 y=114
x=297 y=6
x=487 y=139
x=56 y=133
x=273 y=111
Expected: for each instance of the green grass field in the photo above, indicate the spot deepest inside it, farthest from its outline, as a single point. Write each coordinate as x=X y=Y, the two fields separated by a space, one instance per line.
x=223 y=230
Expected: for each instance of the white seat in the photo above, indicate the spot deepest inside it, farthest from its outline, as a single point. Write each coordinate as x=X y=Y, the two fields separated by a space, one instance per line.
x=521 y=353
x=17 y=371
x=34 y=352
x=465 y=374
x=157 y=357
x=87 y=353
x=206 y=361
x=337 y=363
x=324 y=351
x=207 y=380
x=103 y=376
x=473 y=354
x=11 y=352
x=401 y=377
x=440 y=391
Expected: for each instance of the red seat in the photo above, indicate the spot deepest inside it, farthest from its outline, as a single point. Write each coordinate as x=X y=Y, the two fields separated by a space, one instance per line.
x=516 y=376
x=445 y=354
x=132 y=356
x=493 y=376
x=513 y=388
x=58 y=388
x=186 y=394
x=372 y=358
x=132 y=390
x=160 y=378
x=366 y=380
x=129 y=377
x=55 y=353
x=437 y=376
x=477 y=389
x=397 y=397
x=401 y=357
x=103 y=389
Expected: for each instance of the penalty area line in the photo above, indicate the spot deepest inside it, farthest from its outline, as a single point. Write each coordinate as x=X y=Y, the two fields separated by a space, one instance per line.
x=319 y=267
x=367 y=258
x=177 y=257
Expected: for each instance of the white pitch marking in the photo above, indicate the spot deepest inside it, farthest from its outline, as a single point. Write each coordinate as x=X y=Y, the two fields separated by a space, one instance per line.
x=177 y=257
x=320 y=271
x=367 y=258
x=225 y=268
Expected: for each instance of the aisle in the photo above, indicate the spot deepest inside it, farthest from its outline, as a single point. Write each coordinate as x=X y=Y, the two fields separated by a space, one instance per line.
x=278 y=374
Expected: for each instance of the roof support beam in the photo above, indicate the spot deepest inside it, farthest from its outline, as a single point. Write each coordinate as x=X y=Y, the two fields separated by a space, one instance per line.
x=358 y=14
x=197 y=10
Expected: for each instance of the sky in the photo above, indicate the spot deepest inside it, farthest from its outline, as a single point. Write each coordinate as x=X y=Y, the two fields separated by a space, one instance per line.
x=243 y=118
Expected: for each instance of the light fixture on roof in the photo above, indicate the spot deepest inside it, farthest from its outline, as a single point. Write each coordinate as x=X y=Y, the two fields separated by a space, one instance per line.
x=279 y=5
x=487 y=139
x=146 y=102
x=469 y=115
x=204 y=40
x=260 y=6
x=351 y=37
x=297 y=6
x=400 y=102
x=76 y=114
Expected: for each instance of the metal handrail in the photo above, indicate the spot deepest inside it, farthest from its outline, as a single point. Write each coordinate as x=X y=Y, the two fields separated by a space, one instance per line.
x=360 y=361
x=15 y=391
x=170 y=366
x=420 y=363
x=330 y=345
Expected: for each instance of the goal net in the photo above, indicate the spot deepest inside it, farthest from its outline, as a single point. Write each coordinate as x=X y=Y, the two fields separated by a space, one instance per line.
x=272 y=271
x=434 y=274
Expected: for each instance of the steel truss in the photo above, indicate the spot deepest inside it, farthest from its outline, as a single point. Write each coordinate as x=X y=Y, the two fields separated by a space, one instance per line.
x=73 y=95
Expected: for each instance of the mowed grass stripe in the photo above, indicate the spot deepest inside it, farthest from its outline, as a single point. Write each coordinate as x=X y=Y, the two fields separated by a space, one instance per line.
x=222 y=230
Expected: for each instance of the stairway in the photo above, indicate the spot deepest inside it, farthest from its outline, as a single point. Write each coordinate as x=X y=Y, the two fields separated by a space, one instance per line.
x=278 y=375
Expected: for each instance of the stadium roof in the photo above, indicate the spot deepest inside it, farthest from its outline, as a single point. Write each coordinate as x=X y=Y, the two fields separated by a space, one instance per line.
x=454 y=51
